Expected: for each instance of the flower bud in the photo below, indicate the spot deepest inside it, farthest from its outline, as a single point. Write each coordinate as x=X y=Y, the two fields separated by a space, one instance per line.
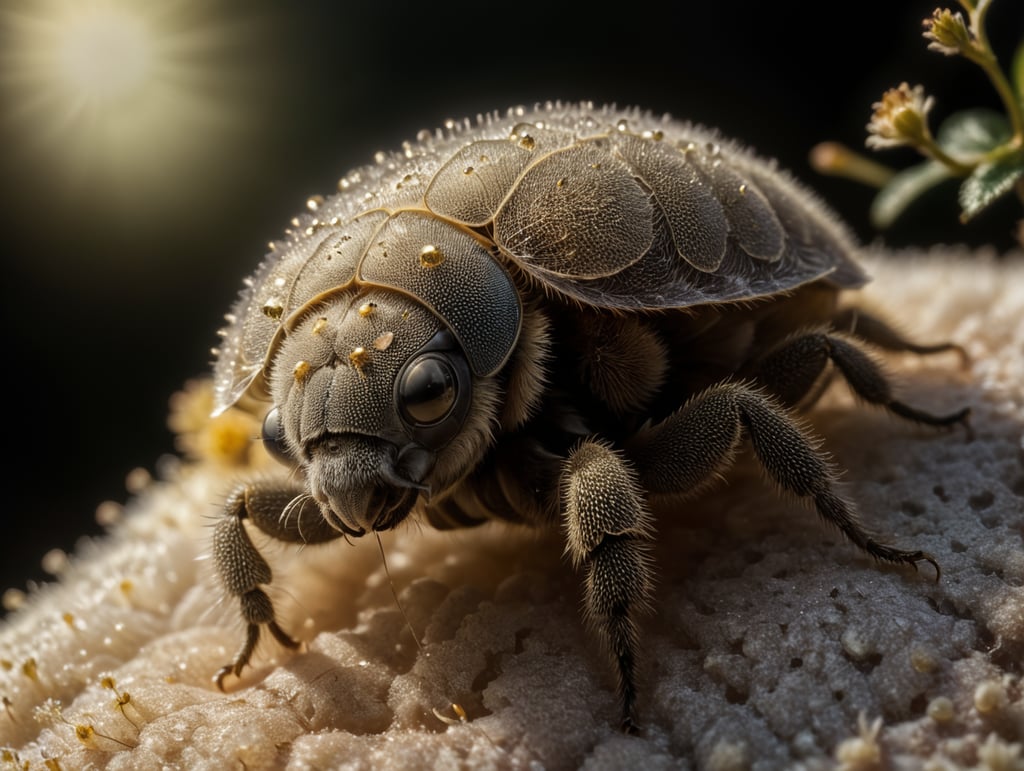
x=947 y=32
x=900 y=118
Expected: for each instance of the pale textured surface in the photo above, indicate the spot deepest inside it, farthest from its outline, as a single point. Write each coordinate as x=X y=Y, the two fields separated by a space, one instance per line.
x=771 y=636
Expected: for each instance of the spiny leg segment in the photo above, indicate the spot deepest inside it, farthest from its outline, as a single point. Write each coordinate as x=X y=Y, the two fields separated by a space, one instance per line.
x=609 y=529
x=282 y=511
x=691 y=446
x=609 y=526
x=792 y=369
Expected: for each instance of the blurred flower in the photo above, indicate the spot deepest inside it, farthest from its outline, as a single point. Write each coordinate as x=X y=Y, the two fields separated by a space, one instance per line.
x=228 y=439
x=901 y=118
x=947 y=32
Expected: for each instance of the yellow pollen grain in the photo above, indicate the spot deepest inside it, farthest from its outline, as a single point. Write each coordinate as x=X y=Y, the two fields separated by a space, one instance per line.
x=359 y=357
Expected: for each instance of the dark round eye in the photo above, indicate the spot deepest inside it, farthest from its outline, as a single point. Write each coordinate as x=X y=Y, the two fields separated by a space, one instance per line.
x=273 y=438
x=428 y=390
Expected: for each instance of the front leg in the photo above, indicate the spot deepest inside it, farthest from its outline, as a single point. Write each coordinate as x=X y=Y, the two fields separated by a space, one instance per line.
x=285 y=512
x=609 y=529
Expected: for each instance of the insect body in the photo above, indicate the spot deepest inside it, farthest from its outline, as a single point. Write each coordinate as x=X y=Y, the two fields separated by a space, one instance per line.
x=569 y=317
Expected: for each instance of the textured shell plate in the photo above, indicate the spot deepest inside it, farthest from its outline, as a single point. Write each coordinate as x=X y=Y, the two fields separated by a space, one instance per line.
x=612 y=208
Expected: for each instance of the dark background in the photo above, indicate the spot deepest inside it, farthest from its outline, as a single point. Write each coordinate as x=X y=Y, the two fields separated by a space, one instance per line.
x=107 y=310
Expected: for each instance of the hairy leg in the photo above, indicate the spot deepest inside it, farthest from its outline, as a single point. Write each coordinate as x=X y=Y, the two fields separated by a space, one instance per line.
x=691 y=447
x=792 y=369
x=281 y=511
x=881 y=334
x=609 y=529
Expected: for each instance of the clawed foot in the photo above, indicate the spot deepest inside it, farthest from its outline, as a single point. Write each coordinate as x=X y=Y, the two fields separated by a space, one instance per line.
x=241 y=660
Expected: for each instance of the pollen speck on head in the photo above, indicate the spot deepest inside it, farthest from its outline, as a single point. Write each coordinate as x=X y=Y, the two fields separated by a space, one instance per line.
x=384 y=341
x=359 y=358
x=319 y=325
x=367 y=309
x=301 y=371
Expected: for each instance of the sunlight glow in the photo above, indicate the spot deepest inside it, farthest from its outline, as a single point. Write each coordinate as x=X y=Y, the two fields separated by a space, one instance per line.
x=131 y=102
x=104 y=54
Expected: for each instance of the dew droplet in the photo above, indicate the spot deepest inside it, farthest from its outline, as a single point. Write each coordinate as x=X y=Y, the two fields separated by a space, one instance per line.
x=431 y=256
x=314 y=202
x=989 y=697
x=273 y=310
x=521 y=136
x=137 y=480
x=29 y=670
x=940 y=709
x=12 y=599
x=55 y=561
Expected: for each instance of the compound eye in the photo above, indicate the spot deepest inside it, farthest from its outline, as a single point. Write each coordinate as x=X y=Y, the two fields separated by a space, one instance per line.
x=273 y=438
x=428 y=390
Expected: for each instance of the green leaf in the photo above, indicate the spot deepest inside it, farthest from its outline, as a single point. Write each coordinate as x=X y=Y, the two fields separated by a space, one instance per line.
x=904 y=187
x=1017 y=72
x=987 y=183
x=970 y=133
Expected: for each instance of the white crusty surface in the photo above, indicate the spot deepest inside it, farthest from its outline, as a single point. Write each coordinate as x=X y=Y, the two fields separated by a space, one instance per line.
x=774 y=644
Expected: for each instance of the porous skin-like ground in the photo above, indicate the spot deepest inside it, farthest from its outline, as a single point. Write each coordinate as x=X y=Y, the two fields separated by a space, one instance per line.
x=771 y=636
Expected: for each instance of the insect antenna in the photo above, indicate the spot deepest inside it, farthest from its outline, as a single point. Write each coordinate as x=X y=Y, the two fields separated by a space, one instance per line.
x=394 y=593
x=460 y=713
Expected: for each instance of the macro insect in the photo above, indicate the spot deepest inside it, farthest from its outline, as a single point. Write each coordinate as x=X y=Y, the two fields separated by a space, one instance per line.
x=568 y=316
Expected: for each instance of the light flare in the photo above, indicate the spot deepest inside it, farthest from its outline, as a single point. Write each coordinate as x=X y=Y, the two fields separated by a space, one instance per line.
x=103 y=55
x=133 y=103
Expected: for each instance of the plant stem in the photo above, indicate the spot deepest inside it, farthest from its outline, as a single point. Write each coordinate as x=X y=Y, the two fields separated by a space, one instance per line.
x=982 y=55
x=931 y=148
